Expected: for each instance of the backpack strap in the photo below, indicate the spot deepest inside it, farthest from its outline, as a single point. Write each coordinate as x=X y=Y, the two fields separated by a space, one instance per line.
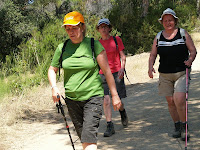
x=92 y=47
x=60 y=60
x=158 y=37
x=116 y=42
x=182 y=32
x=93 y=52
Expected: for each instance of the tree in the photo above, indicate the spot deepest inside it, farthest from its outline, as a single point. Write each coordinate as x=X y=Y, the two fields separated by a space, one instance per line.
x=14 y=27
x=198 y=8
x=145 y=7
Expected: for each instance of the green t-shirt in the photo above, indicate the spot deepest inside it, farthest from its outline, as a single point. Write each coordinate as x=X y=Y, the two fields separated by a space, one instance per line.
x=81 y=74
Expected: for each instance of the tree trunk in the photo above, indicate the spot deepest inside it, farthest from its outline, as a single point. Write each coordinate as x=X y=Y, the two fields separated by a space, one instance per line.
x=145 y=7
x=198 y=9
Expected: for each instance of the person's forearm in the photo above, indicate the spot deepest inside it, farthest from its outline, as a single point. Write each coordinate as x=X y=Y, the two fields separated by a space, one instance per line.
x=52 y=80
x=111 y=83
x=103 y=63
x=192 y=55
x=123 y=62
x=123 y=59
x=151 y=61
x=52 y=77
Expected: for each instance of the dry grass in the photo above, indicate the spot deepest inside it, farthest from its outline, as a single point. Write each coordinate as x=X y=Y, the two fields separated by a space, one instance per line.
x=137 y=68
x=196 y=38
x=15 y=110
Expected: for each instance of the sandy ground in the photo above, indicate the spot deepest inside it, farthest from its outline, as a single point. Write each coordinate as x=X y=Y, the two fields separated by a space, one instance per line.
x=150 y=126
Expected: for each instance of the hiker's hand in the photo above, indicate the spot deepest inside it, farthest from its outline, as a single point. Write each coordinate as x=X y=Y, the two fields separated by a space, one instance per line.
x=150 y=72
x=121 y=73
x=188 y=63
x=55 y=93
x=116 y=102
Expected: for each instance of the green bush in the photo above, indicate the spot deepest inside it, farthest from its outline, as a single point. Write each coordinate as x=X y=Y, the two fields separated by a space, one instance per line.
x=145 y=37
x=29 y=67
x=139 y=31
x=18 y=84
x=187 y=16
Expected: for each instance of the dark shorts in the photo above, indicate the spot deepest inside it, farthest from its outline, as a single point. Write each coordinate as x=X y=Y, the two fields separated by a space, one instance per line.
x=86 y=116
x=121 y=89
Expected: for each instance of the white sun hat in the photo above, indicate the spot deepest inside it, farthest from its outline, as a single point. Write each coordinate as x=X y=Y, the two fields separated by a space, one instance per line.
x=167 y=11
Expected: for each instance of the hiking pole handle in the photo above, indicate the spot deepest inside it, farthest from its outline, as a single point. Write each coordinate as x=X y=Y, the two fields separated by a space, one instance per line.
x=60 y=106
x=57 y=105
x=187 y=67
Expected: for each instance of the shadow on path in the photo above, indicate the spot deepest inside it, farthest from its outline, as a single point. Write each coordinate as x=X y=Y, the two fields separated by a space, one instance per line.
x=150 y=125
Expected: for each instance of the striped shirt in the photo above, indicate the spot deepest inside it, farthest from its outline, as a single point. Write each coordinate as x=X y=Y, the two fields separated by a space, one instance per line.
x=172 y=54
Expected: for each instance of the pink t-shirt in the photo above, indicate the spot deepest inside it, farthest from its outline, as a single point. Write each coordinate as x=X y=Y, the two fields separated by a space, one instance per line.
x=112 y=53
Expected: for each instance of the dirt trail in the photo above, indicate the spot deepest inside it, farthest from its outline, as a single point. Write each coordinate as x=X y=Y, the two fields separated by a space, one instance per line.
x=150 y=126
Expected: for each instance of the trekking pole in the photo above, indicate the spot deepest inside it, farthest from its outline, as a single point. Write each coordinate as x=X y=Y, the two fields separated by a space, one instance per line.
x=186 y=108
x=127 y=76
x=60 y=107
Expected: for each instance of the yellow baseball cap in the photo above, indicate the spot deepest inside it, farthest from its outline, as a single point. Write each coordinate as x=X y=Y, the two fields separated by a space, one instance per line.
x=73 y=18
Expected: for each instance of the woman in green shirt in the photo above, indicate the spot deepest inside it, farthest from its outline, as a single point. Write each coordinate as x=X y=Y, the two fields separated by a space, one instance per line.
x=82 y=82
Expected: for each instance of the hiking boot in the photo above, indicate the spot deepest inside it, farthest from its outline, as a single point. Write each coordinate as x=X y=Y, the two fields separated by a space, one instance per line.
x=124 y=118
x=110 y=129
x=183 y=132
x=177 y=131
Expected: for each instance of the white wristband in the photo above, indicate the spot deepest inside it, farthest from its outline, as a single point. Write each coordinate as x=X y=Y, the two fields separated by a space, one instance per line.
x=53 y=86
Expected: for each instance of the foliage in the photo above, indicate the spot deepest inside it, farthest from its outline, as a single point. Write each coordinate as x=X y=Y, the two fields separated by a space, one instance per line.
x=18 y=19
x=34 y=57
x=14 y=28
x=137 y=31
x=30 y=33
